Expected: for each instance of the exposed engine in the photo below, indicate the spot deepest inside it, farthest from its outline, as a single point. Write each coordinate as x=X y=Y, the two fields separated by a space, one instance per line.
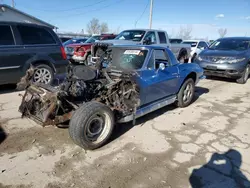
x=55 y=105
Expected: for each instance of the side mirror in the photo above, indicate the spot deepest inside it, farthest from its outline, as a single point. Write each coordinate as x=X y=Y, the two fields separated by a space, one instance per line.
x=161 y=67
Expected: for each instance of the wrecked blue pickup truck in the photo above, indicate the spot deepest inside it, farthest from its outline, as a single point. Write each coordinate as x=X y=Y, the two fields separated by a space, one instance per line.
x=137 y=80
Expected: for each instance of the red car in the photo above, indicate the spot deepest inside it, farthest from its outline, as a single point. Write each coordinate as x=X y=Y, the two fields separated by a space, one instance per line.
x=83 y=52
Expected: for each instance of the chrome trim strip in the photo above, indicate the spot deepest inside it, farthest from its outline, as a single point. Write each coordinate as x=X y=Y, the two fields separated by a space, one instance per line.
x=12 y=67
x=150 y=108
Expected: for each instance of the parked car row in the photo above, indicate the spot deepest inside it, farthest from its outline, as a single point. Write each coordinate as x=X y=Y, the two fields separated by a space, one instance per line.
x=22 y=45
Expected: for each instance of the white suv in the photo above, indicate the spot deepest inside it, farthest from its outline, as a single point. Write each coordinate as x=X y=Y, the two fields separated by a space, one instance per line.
x=196 y=47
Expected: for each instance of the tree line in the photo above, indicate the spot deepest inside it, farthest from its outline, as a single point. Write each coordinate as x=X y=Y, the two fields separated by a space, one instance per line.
x=96 y=27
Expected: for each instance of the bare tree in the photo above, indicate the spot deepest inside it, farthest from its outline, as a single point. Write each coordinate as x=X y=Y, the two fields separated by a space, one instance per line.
x=117 y=30
x=104 y=28
x=93 y=27
x=185 y=32
x=222 y=32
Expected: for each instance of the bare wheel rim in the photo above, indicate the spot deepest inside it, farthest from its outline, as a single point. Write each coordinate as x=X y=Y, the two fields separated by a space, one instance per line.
x=89 y=59
x=246 y=73
x=98 y=128
x=188 y=92
x=42 y=75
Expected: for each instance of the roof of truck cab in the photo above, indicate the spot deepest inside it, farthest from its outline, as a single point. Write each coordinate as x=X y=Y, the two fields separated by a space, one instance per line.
x=149 y=47
x=144 y=30
x=192 y=40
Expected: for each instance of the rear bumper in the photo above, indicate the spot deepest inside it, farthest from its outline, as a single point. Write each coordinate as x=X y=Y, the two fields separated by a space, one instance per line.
x=223 y=70
x=79 y=58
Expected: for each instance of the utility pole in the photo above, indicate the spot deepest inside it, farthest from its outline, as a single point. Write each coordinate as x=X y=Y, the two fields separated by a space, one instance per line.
x=13 y=3
x=151 y=14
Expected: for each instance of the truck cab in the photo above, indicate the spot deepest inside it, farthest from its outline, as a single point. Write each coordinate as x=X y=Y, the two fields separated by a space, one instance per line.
x=151 y=37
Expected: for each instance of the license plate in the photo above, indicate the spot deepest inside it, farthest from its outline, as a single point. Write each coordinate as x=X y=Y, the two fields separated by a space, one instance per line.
x=212 y=67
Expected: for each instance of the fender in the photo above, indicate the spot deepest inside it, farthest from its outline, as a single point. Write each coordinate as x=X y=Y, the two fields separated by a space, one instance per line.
x=39 y=58
x=187 y=69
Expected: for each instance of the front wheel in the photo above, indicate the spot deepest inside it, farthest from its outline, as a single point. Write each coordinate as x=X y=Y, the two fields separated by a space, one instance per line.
x=186 y=93
x=91 y=125
x=245 y=76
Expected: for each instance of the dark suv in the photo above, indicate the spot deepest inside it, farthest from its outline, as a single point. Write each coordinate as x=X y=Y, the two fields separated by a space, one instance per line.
x=22 y=45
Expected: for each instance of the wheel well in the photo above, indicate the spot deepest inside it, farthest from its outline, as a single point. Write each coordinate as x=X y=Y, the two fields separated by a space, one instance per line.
x=43 y=62
x=191 y=75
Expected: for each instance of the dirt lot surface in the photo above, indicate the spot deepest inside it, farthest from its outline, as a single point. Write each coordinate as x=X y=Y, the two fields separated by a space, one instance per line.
x=203 y=144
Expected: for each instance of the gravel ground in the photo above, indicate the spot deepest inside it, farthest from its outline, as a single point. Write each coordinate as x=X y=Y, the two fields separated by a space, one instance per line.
x=204 y=144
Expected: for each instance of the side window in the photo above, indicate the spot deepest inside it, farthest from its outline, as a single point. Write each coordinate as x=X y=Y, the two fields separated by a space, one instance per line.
x=205 y=44
x=202 y=45
x=151 y=37
x=35 y=35
x=162 y=37
x=199 y=45
x=160 y=57
x=6 y=37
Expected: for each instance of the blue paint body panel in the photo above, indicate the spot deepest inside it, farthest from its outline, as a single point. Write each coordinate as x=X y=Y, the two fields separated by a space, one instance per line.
x=158 y=84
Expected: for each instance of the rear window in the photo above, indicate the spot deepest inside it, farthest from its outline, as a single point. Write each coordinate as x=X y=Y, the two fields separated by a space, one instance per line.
x=162 y=37
x=35 y=35
x=6 y=37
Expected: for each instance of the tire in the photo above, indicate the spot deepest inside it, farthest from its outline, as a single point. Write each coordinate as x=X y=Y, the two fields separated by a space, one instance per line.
x=182 y=57
x=181 y=101
x=85 y=117
x=44 y=74
x=193 y=58
x=245 y=76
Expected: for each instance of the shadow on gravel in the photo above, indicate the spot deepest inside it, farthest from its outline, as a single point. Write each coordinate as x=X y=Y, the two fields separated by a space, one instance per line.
x=222 y=79
x=8 y=88
x=3 y=135
x=121 y=129
x=222 y=171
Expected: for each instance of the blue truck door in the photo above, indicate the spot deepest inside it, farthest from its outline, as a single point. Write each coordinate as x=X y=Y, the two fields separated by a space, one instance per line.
x=157 y=83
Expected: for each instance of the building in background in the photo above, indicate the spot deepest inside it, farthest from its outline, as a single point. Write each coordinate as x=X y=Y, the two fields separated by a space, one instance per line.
x=10 y=14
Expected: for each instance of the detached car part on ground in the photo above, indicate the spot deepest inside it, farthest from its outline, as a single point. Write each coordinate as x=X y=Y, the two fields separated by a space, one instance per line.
x=137 y=81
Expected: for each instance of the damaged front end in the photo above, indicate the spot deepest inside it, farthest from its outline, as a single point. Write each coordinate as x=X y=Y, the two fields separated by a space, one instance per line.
x=49 y=105
x=45 y=105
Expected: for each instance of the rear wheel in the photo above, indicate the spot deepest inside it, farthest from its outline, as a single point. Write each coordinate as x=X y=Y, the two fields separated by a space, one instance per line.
x=186 y=93
x=43 y=74
x=91 y=125
x=193 y=58
x=182 y=58
x=245 y=76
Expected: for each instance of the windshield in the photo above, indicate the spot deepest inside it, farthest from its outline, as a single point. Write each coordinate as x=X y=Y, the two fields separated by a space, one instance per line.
x=93 y=39
x=134 y=35
x=128 y=59
x=74 y=41
x=230 y=44
x=193 y=44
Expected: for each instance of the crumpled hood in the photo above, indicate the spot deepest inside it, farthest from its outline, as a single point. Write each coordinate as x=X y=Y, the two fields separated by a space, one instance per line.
x=119 y=42
x=225 y=53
